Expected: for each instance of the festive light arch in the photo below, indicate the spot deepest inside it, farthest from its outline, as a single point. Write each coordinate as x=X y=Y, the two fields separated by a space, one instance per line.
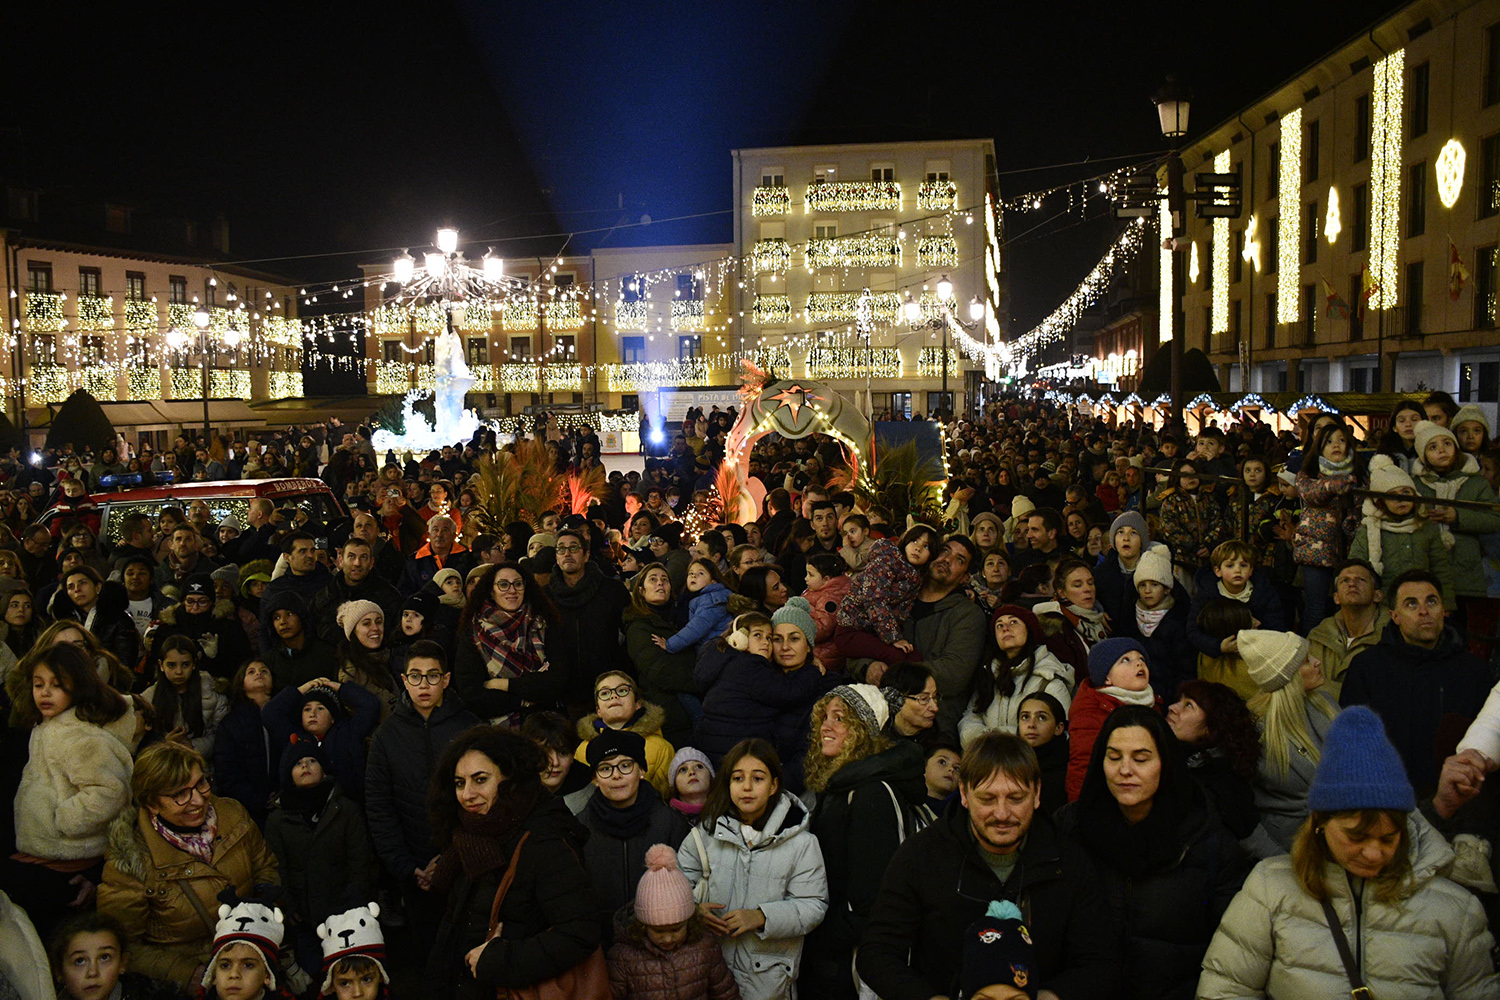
x=793 y=408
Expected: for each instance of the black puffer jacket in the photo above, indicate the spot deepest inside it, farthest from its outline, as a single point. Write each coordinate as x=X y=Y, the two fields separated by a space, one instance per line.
x=550 y=916
x=403 y=753
x=586 y=640
x=937 y=885
x=662 y=675
x=218 y=633
x=615 y=854
x=326 y=866
x=1166 y=904
x=244 y=767
x=112 y=624
x=324 y=607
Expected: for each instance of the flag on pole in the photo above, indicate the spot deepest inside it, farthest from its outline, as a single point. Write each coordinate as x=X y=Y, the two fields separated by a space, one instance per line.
x=1336 y=304
x=1457 y=273
x=1368 y=287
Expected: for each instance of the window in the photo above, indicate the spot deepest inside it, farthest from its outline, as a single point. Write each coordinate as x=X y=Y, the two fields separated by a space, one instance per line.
x=1310 y=233
x=91 y=349
x=1489 y=176
x=689 y=348
x=883 y=172
x=135 y=286
x=938 y=171
x=116 y=219
x=390 y=351
x=1361 y=128
x=177 y=289
x=632 y=288
x=825 y=173
x=38 y=276
x=44 y=346
x=773 y=230
x=1418 y=92
x=1359 y=379
x=1309 y=314
x=1479 y=382
x=630 y=401
x=1492 y=65
x=564 y=279
x=1273 y=170
x=772 y=177
x=1301 y=379
x=1359 y=218
x=479 y=350
x=1356 y=303
x=1273 y=245
x=939 y=403
x=1271 y=320
x=1208 y=328
x=825 y=230
x=633 y=350
x=689 y=287
x=1237 y=258
x=565 y=347
x=1279 y=377
x=1485 y=260
x=1413 y=293
x=1310 y=153
x=88 y=281
x=520 y=348
x=1416 y=199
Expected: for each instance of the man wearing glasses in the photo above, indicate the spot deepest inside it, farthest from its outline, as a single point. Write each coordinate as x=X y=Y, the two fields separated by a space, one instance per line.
x=625 y=816
x=590 y=604
x=403 y=753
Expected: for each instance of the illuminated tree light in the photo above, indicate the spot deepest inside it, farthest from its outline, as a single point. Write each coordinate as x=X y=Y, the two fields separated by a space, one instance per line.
x=632 y=315
x=518 y=314
x=770 y=201
x=869 y=250
x=476 y=316
x=1332 y=224
x=854 y=196
x=1220 y=304
x=937 y=251
x=770 y=256
x=688 y=315
x=230 y=383
x=96 y=312
x=392 y=378
x=100 y=382
x=286 y=332
x=565 y=314
x=937 y=196
x=44 y=312
x=1289 y=225
x=285 y=385
x=180 y=316
x=772 y=310
x=1385 y=179
x=1450 y=172
x=387 y=319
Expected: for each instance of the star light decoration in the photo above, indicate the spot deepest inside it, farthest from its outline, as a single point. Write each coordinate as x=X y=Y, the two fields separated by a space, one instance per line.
x=1450 y=172
x=787 y=398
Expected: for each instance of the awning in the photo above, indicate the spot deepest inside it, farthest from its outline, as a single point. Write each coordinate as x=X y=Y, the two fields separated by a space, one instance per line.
x=221 y=413
x=318 y=409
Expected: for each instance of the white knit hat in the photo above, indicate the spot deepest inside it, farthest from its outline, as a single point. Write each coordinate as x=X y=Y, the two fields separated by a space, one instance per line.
x=350 y=612
x=1469 y=412
x=1272 y=658
x=1386 y=476
x=865 y=701
x=353 y=933
x=252 y=923
x=1153 y=565
x=1427 y=432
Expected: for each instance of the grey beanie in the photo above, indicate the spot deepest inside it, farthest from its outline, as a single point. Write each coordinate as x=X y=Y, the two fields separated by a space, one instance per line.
x=796 y=611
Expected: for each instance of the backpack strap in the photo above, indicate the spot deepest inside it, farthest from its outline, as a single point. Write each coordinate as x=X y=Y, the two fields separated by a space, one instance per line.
x=505 y=883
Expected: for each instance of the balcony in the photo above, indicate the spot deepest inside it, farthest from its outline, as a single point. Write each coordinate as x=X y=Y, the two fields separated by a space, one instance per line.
x=854 y=196
x=141 y=316
x=180 y=316
x=853 y=362
x=475 y=316
x=285 y=332
x=44 y=312
x=46 y=383
x=937 y=251
x=143 y=383
x=772 y=310
x=285 y=385
x=688 y=315
x=96 y=312
x=844 y=307
x=937 y=196
x=223 y=383
x=565 y=314
x=769 y=256
x=392 y=378
x=859 y=252
x=518 y=314
x=931 y=363
x=523 y=376
x=632 y=315
x=767 y=202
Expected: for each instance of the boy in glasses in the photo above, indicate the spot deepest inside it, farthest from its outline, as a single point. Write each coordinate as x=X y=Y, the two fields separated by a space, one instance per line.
x=618 y=705
x=403 y=753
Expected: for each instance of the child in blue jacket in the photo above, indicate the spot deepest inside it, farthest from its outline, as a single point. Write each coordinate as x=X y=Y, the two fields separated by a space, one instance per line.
x=708 y=616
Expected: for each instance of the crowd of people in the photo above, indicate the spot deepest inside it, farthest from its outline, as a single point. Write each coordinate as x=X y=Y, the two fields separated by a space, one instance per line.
x=1131 y=713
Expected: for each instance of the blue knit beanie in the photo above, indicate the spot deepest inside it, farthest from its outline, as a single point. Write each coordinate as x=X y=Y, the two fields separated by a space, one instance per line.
x=1103 y=656
x=1359 y=768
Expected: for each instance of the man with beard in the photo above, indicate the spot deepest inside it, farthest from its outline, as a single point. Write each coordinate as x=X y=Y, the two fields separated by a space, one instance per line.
x=586 y=638
x=355 y=581
x=992 y=844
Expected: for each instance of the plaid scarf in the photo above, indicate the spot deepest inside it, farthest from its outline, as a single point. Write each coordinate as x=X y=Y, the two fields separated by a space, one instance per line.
x=513 y=644
x=199 y=843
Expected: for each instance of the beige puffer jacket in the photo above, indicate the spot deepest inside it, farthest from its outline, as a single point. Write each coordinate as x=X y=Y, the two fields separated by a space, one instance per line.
x=1275 y=942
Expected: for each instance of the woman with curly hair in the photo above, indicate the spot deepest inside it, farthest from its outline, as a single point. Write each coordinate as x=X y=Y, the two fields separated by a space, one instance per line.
x=502 y=661
x=865 y=789
x=1222 y=749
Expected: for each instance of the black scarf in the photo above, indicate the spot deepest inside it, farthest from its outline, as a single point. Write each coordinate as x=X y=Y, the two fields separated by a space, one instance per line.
x=307 y=801
x=1133 y=849
x=481 y=844
x=622 y=824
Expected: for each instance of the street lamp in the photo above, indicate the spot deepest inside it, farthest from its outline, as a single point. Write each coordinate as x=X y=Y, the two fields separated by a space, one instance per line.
x=1173 y=101
x=911 y=311
x=200 y=320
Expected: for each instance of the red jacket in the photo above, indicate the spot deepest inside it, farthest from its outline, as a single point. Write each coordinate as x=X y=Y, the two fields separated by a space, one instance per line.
x=825 y=602
x=1085 y=718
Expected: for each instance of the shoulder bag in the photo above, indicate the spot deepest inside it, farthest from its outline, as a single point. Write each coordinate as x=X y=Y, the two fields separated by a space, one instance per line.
x=1357 y=988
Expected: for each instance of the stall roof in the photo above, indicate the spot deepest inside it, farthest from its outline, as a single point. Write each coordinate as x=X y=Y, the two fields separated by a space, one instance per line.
x=316 y=410
x=150 y=415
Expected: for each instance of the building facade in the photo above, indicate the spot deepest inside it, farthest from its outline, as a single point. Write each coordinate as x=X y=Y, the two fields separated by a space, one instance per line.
x=1365 y=258
x=833 y=240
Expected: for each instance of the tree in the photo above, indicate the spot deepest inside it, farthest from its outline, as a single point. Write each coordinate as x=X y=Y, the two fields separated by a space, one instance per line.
x=10 y=436
x=81 y=422
x=1197 y=374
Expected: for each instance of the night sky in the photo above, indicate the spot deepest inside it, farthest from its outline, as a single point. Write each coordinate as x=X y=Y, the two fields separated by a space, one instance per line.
x=329 y=136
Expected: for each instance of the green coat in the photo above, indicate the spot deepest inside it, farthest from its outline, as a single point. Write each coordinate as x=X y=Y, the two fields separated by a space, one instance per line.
x=1419 y=549
x=1468 y=567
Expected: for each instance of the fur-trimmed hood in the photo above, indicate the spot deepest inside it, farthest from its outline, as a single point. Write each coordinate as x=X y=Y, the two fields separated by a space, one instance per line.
x=126 y=847
x=648 y=722
x=113 y=600
x=223 y=608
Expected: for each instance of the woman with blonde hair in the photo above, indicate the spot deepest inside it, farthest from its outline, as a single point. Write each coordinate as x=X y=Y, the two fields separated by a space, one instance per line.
x=1360 y=906
x=864 y=788
x=1294 y=718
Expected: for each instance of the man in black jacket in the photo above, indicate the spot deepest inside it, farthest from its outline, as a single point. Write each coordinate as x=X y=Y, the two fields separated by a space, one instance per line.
x=991 y=845
x=355 y=581
x=403 y=754
x=589 y=608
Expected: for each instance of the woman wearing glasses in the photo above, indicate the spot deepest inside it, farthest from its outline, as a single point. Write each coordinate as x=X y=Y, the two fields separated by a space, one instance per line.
x=617 y=706
x=502 y=663
x=169 y=859
x=76 y=780
x=912 y=692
